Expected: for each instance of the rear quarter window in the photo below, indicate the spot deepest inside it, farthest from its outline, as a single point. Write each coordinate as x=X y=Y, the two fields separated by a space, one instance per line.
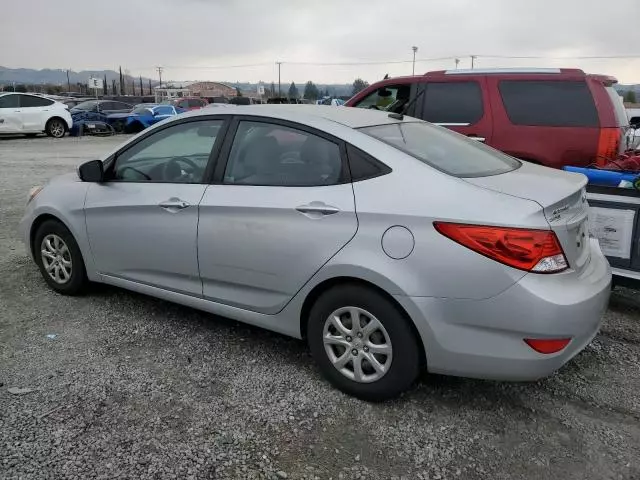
x=549 y=103
x=453 y=103
x=443 y=149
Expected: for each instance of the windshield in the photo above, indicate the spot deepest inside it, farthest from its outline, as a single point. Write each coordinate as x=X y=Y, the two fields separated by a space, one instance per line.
x=141 y=111
x=440 y=148
x=90 y=105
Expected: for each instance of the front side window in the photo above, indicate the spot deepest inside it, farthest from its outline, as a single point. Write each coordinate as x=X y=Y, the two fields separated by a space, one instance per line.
x=177 y=154
x=444 y=150
x=9 y=101
x=275 y=155
x=389 y=97
x=27 y=101
x=453 y=103
x=549 y=103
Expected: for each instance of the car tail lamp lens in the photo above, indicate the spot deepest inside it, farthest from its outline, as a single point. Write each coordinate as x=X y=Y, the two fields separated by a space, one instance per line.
x=532 y=250
x=547 y=345
x=608 y=145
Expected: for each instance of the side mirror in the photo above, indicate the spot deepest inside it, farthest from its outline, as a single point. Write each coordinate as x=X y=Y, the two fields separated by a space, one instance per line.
x=91 y=171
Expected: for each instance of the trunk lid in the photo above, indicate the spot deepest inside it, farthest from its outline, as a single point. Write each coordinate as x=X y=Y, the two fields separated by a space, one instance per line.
x=563 y=200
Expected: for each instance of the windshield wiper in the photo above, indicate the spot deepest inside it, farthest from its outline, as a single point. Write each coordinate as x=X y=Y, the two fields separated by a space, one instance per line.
x=400 y=116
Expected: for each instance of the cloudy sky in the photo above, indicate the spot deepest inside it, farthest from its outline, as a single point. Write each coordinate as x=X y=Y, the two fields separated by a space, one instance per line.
x=203 y=39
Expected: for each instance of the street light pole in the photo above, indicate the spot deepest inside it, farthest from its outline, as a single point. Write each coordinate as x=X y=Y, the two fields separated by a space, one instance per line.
x=473 y=61
x=279 y=92
x=415 y=49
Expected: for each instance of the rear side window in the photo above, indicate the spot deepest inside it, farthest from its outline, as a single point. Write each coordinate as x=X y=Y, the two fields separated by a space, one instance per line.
x=443 y=149
x=549 y=103
x=364 y=166
x=31 y=101
x=453 y=103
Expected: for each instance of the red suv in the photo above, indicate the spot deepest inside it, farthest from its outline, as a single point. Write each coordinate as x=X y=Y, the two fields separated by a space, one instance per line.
x=189 y=103
x=553 y=117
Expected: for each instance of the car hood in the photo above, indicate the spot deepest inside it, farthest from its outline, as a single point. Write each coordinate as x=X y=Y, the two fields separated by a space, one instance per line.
x=71 y=177
x=546 y=186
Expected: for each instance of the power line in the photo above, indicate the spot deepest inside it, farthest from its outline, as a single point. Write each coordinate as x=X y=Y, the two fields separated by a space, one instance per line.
x=551 y=57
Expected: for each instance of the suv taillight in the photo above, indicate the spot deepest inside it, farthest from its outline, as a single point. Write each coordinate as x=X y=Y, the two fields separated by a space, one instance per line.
x=532 y=250
x=608 y=145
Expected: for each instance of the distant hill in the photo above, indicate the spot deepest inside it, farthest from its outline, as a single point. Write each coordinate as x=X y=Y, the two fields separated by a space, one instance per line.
x=54 y=77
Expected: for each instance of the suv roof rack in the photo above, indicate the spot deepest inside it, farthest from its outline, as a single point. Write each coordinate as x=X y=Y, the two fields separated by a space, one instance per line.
x=478 y=71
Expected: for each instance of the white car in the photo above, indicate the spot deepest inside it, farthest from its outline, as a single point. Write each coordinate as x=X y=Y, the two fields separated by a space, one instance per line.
x=32 y=114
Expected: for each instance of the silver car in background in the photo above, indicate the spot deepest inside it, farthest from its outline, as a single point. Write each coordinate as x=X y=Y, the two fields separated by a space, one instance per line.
x=388 y=243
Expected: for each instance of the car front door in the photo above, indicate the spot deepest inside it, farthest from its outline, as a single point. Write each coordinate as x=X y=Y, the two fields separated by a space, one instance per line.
x=142 y=221
x=281 y=207
x=10 y=114
x=35 y=112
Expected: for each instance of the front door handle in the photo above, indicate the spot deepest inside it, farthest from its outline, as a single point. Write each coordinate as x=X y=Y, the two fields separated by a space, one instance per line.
x=317 y=209
x=174 y=204
x=475 y=137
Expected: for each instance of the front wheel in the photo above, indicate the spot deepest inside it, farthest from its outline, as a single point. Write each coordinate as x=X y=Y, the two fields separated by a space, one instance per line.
x=56 y=128
x=59 y=258
x=363 y=343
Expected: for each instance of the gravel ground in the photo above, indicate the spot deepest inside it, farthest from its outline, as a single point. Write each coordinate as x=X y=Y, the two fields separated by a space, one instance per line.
x=133 y=387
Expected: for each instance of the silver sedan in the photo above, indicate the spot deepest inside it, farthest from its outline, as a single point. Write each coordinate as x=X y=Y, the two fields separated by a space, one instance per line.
x=388 y=243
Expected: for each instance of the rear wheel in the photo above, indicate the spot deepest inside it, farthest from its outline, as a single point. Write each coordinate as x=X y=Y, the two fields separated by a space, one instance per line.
x=56 y=128
x=118 y=126
x=59 y=258
x=362 y=343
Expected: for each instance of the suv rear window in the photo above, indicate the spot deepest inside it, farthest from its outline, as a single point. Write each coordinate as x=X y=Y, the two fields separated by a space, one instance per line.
x=549 y=103
x=453 y=102
x=443 y=149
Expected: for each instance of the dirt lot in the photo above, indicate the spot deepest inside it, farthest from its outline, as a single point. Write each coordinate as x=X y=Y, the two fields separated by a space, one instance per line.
x=133 y=387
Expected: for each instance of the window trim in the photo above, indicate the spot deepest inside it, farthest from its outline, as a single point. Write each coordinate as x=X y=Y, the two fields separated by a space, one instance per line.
x=384 y=169
x=214 y=155
x=223 y=159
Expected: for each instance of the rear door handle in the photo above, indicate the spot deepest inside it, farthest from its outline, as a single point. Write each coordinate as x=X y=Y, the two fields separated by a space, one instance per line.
x=174 y=204
x=317 y=209
x=477 y=138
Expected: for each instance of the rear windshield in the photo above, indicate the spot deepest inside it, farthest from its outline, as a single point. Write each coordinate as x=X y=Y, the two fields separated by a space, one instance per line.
x=443 y=149
x=549 y=103
x=618 y=107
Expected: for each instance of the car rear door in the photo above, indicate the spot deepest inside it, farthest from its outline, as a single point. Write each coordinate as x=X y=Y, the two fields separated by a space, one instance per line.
x=10 y=114
x=142 y=221
x=458 y=103
x=35 y=112
x=281 y=207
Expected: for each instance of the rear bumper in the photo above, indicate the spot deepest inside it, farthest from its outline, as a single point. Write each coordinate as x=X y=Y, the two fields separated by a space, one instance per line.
x=484 y=338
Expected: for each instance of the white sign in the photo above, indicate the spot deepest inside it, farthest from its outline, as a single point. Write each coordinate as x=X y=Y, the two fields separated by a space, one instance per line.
x=95 y=83
x=613 y=228
x=260 y=89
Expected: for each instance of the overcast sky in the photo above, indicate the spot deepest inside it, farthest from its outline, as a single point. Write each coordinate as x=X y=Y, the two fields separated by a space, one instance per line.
x=189 y=37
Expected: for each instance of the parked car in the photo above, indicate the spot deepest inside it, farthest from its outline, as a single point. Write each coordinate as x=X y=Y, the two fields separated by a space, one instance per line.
x=553 y=117
x=142 y=117
x=470 y=263
x=72 y=102
x=102 y=106
x=32 y=114
x=187 y=103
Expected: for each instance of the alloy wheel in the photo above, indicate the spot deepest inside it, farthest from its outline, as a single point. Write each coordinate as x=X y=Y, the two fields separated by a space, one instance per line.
x=56 y=129
x=56 y=258
x=357 y=344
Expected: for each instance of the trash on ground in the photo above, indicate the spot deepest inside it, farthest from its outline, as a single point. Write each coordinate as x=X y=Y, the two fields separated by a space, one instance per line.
x=19 y=391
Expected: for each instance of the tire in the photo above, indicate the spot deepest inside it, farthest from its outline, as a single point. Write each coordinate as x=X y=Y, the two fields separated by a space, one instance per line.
x=401 y=366
x=118 y=126
x=75 y=279
x=56 y=127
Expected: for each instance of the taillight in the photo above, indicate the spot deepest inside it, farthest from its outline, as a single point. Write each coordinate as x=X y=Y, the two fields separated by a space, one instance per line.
x=547 y=345
x=608 y=145
x=532 y=250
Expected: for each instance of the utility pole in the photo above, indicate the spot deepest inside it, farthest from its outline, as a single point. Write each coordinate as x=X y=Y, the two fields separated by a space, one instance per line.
x=141 y=89
x=457 y=60
x=415 y=49
x=473 y=61
x=279 y=91
x=159 y=69
x=68 y=82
